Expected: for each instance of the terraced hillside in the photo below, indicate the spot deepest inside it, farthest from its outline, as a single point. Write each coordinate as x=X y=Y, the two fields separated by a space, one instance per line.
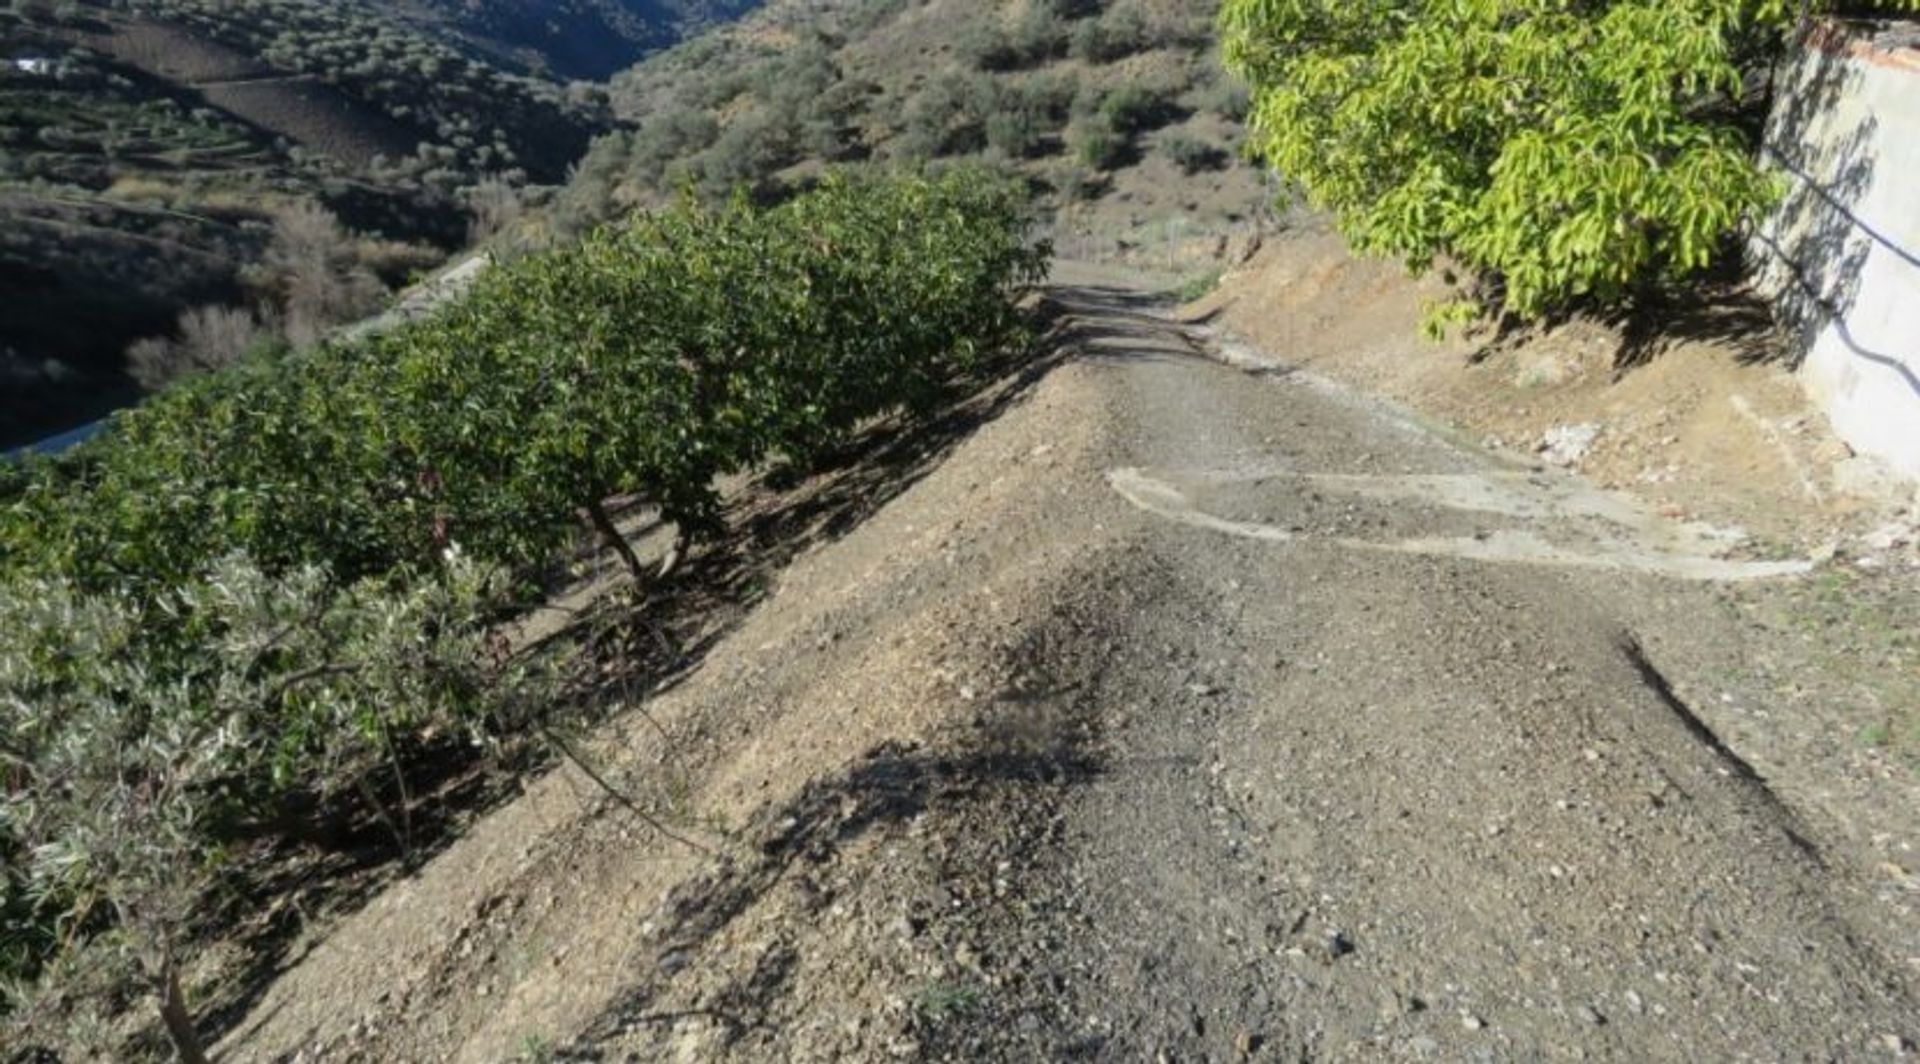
x=148 y=148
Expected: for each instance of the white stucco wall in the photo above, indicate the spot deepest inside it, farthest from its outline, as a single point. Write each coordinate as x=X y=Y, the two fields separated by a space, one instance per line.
x=1841 y=255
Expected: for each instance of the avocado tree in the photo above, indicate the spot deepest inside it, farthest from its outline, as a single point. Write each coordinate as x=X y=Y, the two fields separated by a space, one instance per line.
x=1562 y=151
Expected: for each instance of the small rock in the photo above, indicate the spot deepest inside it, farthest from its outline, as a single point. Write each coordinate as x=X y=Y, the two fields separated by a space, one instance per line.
x=1635 y=1004
x=1471 y=1022
x=1891 y=536
x=1246 y=1043
x=1567 y=445
x=1591 y=1015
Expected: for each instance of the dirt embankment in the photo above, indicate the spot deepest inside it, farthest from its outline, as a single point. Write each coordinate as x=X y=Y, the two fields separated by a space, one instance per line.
x=865 y=690
x=1694 y=411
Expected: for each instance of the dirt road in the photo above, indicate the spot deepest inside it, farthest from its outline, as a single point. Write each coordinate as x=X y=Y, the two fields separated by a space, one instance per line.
x=1176 y=711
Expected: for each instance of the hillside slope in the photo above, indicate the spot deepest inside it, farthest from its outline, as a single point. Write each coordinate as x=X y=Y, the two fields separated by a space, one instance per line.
x=1116 y=109
x=587 y=39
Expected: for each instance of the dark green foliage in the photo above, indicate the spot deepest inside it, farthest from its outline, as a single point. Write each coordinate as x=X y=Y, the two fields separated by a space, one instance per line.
x=1039 y=34
x=1563 y=151
x=1015 y=133
x=749 y=151
x=947 y=116
x=263 y=578
x=141 y=172
x=1133 y=109
x=476 y=117
x=1119 y=33
x=673 y=135
x=578 y=38
x=609 y=368
x=1105 y=125
x=996 y=80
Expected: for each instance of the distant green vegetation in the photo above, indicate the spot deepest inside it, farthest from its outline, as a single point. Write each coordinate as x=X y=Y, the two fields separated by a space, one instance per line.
x=264 y=582
x=574 y=38
x=1040 y=87
x=89 y=139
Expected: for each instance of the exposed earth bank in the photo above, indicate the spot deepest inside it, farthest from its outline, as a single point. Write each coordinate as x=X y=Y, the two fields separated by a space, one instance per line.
x=1190 y=712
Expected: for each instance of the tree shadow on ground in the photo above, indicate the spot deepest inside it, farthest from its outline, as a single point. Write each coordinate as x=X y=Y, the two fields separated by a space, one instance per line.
x=1717 y=310
x=895 y=784
x=1117 y=324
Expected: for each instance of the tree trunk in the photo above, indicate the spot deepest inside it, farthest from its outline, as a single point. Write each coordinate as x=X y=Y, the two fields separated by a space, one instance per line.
x=603 y=523
x=173 y=1013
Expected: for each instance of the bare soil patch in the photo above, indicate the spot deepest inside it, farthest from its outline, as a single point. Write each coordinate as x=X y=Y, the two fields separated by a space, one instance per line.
x=1705 y=422
x=1700 y=419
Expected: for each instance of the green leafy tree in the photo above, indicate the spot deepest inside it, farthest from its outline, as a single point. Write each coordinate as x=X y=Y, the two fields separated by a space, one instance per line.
x=646 y=360
x=1563 y=151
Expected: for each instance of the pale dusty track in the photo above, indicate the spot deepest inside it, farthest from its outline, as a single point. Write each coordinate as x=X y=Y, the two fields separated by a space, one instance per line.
x=1181 y=712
